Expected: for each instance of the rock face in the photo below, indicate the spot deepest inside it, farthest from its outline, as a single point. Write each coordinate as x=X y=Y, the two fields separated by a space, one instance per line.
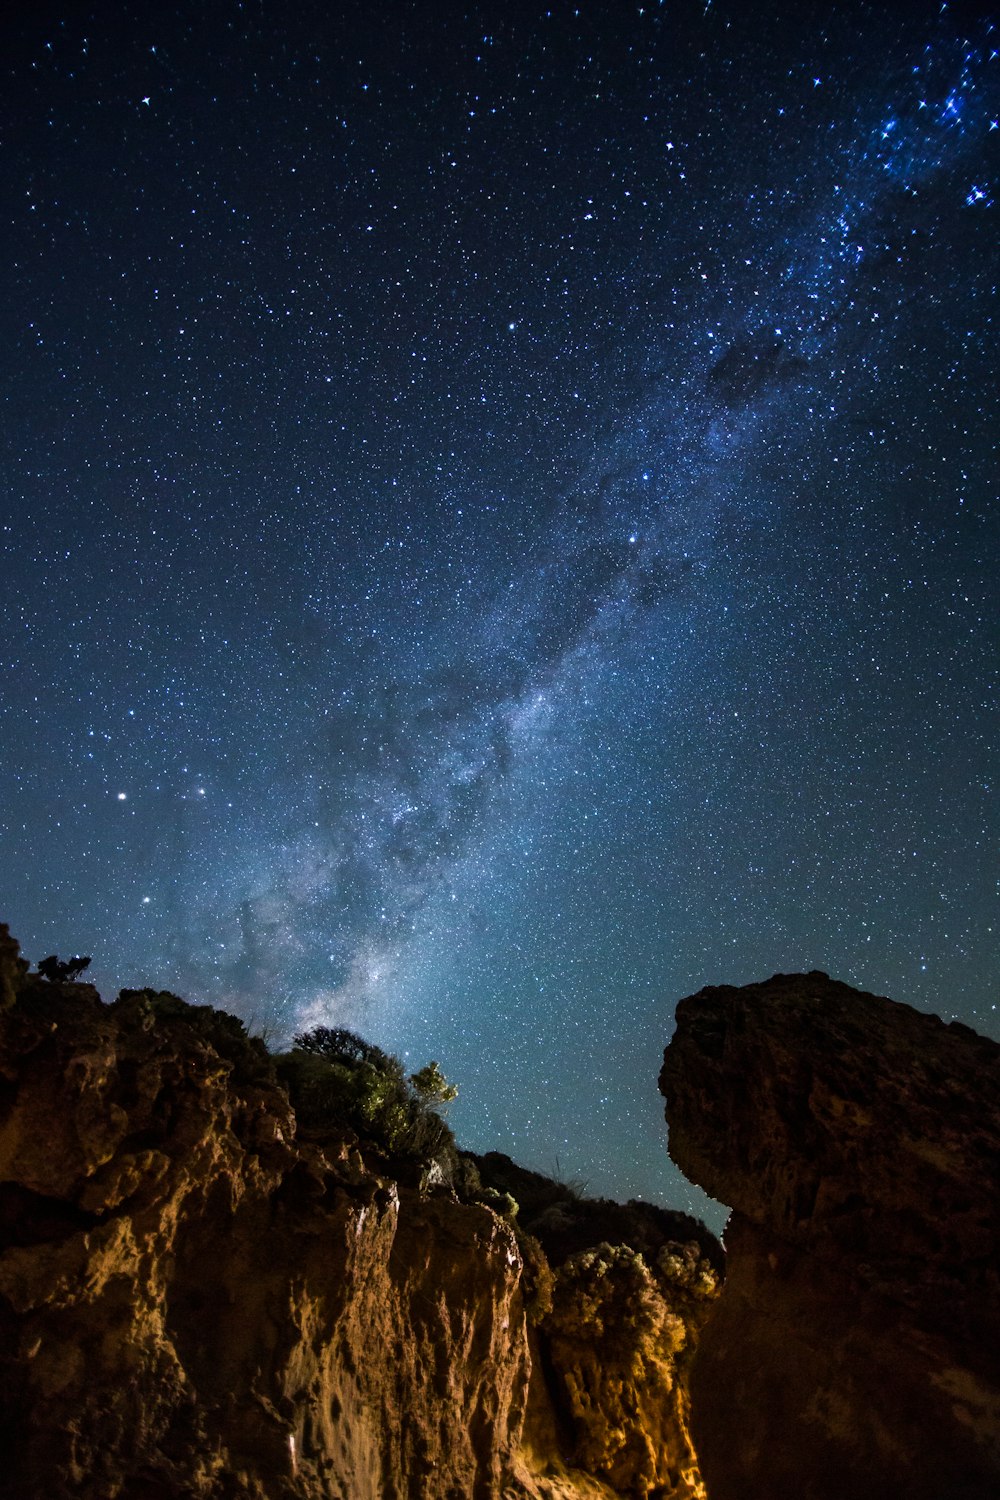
x=197 y=1298
x=855 y=1350
x=629 y=1288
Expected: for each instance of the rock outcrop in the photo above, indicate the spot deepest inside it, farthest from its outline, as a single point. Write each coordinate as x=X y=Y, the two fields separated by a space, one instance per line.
x=855 y=1350
x=200 y=1298
x=627 y=1292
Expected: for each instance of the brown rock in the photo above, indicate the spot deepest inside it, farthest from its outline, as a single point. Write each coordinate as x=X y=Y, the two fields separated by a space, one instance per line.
x=855 y=1350
x=631 y=1286
x=198 y=1300
x=12 y=967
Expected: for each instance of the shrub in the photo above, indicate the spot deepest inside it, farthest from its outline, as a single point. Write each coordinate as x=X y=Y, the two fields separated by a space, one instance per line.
x=62 y=971
x=432 y=1086
x=336 y=1079
x=338 y=1045
x=537 y=1278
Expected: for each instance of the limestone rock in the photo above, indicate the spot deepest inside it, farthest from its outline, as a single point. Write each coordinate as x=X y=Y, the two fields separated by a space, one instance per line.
x=198 y=1298
x=855 y=1349
x=631 y=1286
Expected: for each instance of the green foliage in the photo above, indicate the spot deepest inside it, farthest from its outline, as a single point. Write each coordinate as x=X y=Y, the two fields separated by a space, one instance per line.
x=336 y=1079
x=468 y=1184
x=431 y=1084
x=338 y=1045
x=504 y=1204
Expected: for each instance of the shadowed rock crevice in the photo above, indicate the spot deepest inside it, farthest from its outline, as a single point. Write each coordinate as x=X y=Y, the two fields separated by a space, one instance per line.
x=28 y=1218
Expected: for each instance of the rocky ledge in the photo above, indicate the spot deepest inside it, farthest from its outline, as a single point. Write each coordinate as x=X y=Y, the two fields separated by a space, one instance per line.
x=855 y=1350
x=201 y=1297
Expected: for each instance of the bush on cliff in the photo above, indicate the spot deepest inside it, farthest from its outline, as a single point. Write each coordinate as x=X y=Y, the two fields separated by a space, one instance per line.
x=336 y=1080
x=62 y=971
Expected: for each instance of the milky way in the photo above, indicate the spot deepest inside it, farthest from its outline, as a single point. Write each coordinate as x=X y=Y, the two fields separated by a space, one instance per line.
x=501 y=526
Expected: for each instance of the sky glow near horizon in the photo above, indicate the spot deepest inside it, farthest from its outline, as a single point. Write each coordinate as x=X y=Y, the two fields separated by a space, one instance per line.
x=501 y=526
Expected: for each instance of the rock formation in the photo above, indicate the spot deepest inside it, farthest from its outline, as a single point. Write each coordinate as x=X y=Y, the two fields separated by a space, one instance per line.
x=199 y=1297
x=855 y=1350
x=629 y=1288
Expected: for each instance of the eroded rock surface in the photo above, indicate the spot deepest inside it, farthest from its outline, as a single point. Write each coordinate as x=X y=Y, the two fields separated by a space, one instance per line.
x=198 y=1299
x=629 y=1288
x=855 y=1350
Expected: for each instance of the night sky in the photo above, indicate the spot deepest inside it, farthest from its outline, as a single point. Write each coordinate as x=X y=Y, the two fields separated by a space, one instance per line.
x=499 y=524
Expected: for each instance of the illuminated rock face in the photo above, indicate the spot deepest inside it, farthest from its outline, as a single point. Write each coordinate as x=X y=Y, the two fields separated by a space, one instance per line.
x=203 y=1306
x=855 y=1350
x=630 y=1288
x=196 y=1300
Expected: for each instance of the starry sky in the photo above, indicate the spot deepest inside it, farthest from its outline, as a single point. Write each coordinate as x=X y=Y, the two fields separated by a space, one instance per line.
x=499 y=523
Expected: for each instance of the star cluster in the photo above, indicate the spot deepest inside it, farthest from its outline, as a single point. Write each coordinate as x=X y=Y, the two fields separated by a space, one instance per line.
x=501 y=524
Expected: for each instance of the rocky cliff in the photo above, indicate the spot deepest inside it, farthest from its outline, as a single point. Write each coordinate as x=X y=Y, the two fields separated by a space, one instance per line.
x=201 y=1298
x=855 y=1350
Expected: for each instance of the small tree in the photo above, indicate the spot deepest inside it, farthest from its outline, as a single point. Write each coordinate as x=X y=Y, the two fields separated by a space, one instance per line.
x=338 y=1045
x=62 y=971
x=335 y=1077
x=432 y=1086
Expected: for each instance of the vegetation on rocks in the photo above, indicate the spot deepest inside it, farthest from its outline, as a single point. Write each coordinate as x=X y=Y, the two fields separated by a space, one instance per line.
x=336 y=1080
x=222 y=1270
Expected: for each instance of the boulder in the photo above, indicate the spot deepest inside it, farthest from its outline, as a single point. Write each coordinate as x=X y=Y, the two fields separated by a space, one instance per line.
x=855 y=1349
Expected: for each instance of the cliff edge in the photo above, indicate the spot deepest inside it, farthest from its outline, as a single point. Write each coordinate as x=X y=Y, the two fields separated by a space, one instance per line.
x=200 y=1297
x=854 y=1350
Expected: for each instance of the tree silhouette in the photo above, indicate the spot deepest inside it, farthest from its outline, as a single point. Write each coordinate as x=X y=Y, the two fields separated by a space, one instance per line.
x=62 y=971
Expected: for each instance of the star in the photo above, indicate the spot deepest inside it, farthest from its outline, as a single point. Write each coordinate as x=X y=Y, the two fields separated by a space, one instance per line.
x=539 y=680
